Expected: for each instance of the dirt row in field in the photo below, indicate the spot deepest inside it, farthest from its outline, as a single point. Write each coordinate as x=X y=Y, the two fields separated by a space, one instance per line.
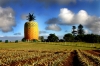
x=51 y=58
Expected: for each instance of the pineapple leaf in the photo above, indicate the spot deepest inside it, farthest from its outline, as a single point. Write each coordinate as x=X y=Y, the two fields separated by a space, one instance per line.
x=31 y=17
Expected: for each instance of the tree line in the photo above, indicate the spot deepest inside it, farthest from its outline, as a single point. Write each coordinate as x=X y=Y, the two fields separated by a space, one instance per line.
x=75 y=36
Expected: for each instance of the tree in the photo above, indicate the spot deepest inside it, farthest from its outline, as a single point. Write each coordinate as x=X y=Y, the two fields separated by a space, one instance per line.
x=45 y=40
x=80 y=30
x=61 y=40
x=35 y=40
x=6 y=41
x=79 y=38
x=31 y=17
x=41 y=38
x=92 y=38
x=68 y=37
x=52 y=38
x=74 y=32
x=16 y=41
x=23 y=40
x=0 y=40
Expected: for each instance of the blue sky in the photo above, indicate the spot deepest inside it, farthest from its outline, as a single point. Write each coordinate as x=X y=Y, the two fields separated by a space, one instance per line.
x=53 y=16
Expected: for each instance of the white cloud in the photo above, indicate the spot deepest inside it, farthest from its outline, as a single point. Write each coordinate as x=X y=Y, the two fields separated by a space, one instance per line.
x=53 y=27
x=95 y=27
x=1 y=36
x=24 y=16
x=90 y=22
x=53 y=21
x=82 y=16
x=66 y=15
x=86 y=31
x=43 y=32
x=17 y=33
x=6 y=19
x=10 y=15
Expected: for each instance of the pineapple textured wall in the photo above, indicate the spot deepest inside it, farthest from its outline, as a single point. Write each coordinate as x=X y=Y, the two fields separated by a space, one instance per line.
x=31 y=30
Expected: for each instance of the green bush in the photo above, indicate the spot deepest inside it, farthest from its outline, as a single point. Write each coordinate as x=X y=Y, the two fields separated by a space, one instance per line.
x=35 y=40
x=23 y=39
x=16 y=41
x=6 y=41
x=0 y=40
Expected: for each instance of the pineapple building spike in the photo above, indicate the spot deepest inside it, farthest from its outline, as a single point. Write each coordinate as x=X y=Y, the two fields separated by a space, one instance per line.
x=31 y=17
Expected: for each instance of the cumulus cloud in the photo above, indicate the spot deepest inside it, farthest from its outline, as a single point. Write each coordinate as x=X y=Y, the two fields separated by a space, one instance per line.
x=66 y=15
x=43 y=32
x=1 y=36
x=24 y=16
x=54 y=27
x=82 y=17
x=17 y=33
x=53 y=24
x=7 y=19
x=94 y=27
x=86 y=31
x=53 y=21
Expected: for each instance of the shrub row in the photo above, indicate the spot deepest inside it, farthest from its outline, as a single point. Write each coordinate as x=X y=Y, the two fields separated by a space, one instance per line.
x=26 y=40
x=6 y=41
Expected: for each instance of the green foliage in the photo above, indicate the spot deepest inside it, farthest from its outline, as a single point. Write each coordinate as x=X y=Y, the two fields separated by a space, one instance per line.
x=23 y=39
x=16 y=41
x=6 y=41
x=61 y=40
x=45 y=40
x=31 y=17
x=0 y=40
x=68 y=37
x=35 y=40
x=52 y=38
x=79 y=38
x=92 y=38
x=41 y=38
x=74 y=32
x=80 y=30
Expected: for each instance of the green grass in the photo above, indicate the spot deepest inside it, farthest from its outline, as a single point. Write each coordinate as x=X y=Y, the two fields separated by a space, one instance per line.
x=49 y=46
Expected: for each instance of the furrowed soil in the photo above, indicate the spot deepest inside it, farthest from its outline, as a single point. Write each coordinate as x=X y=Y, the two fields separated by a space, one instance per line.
x=49 y=54
x=47 y=58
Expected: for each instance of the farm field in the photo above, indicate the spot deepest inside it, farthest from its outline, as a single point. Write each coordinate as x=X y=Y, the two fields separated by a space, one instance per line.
x=49 y=54
x=49 y=45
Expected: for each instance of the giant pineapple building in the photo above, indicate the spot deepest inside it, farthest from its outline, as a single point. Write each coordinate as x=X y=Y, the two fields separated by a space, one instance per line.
x=31 y=30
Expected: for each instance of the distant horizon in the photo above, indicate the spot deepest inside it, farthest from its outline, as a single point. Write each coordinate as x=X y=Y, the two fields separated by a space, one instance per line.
x=19 y=38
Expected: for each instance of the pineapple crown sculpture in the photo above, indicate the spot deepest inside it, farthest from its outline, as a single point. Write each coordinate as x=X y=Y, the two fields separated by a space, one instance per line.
x=31 y=17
